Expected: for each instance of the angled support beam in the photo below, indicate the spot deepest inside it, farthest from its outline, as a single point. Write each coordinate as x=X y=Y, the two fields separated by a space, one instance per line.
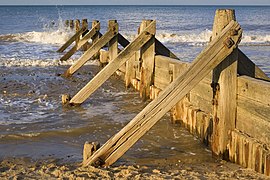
x=160 y=48
x=206 y=61
x=248 y=68
x=112 y=32
x=82 y=42
x=71 y=40
x=224 y=85
x=113 y=43
x=148 y=61
x=113 y=65
x=163 y=50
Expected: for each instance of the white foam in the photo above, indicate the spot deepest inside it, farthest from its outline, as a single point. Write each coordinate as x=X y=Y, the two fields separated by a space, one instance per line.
x=202 y=38
x=58 y=36
x=12 y=62
x=254 y=39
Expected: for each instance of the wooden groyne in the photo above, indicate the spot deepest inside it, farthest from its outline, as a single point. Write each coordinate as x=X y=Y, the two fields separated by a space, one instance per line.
x=222 y=97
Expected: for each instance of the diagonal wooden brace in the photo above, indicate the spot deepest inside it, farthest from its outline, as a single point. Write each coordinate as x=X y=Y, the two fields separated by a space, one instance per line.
x=111 y=33
x=82 y=42
x=108 y=70
x=71 y=40
x=205 y=62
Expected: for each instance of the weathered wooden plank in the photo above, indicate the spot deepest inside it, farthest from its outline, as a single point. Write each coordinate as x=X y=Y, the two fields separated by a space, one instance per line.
x=201 y=96
x=213 y=54
x=108 y=70
x=163 y=50
x=77 y=28
x=254 y=89
x=71 y=40
x=224 y=90
x=162 y=61
x=247 y=67
x=249 y=152
x=71 y=24
x=66 y=23
x=104 y=57
x=82 y=42
x=113 y=43
x=160 y=49
x=122 y=40
x=253 y=118
x=130 y=71
x=91 y=52
x=148 y=60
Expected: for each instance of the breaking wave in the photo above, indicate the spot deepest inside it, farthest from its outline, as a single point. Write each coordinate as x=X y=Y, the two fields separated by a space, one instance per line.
x=57 y=34
x=202 y=38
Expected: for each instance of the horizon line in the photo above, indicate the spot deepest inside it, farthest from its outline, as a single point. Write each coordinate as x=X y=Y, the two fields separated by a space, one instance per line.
x=134 y=5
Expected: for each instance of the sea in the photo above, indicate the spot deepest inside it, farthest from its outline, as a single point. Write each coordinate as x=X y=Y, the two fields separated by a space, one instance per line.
x=33 y=122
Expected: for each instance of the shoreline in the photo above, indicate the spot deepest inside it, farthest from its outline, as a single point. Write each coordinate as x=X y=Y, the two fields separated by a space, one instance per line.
x=25 y=168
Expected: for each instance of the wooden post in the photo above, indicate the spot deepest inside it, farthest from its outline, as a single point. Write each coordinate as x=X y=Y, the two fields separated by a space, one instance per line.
x=77 y=29
x=85 y=26
x=207 y=60
x=224 y=84
x=91 y=51
x=95 y=37
x=113 y=43
x=147 y=70
x=83 y=41
x=115 y=64
x=66 y=23
x=71 y=24
x=130 y=70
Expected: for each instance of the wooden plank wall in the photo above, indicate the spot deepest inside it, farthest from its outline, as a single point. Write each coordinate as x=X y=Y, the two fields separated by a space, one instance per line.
x=250 y=142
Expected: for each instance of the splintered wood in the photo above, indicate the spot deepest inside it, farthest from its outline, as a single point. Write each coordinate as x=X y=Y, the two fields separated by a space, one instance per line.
x=213 y=54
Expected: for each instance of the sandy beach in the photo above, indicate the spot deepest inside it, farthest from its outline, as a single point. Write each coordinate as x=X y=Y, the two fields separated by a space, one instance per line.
x=19 y=160
x=23 y=168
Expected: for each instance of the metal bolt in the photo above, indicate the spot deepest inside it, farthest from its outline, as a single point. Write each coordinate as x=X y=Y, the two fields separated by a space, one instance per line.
x=229 y=42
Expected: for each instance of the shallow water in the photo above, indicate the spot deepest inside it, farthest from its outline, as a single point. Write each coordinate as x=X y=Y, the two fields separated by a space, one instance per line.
x=33 y=122
x=41 y=127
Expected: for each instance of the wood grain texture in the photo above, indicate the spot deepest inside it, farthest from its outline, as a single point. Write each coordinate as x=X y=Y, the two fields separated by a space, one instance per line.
x=215 y=52
x=71 y=40
x=224 y=90
x=148 y=60
x=91 y=52
x=81 y=42
x=108 y=70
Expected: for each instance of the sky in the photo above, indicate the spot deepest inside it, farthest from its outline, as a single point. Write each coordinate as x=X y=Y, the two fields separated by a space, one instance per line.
x=134 y=2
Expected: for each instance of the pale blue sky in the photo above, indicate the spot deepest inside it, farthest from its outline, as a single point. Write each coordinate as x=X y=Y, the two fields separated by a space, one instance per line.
x=135 y=2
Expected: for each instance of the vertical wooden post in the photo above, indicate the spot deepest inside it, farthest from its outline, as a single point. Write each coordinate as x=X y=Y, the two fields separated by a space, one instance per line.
x=95 y=37
x=66 y=23
x=71 y=24
x=147 y=69
x=85 y=26
x=130 y=70
x=224 y=84
x=77 y=28
x=113 y=43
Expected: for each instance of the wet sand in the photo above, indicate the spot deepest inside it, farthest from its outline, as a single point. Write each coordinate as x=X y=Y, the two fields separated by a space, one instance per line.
x=39 y=151
x=20 y=168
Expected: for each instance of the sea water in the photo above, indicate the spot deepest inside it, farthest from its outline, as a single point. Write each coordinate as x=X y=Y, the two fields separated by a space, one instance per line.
x=33 y=122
